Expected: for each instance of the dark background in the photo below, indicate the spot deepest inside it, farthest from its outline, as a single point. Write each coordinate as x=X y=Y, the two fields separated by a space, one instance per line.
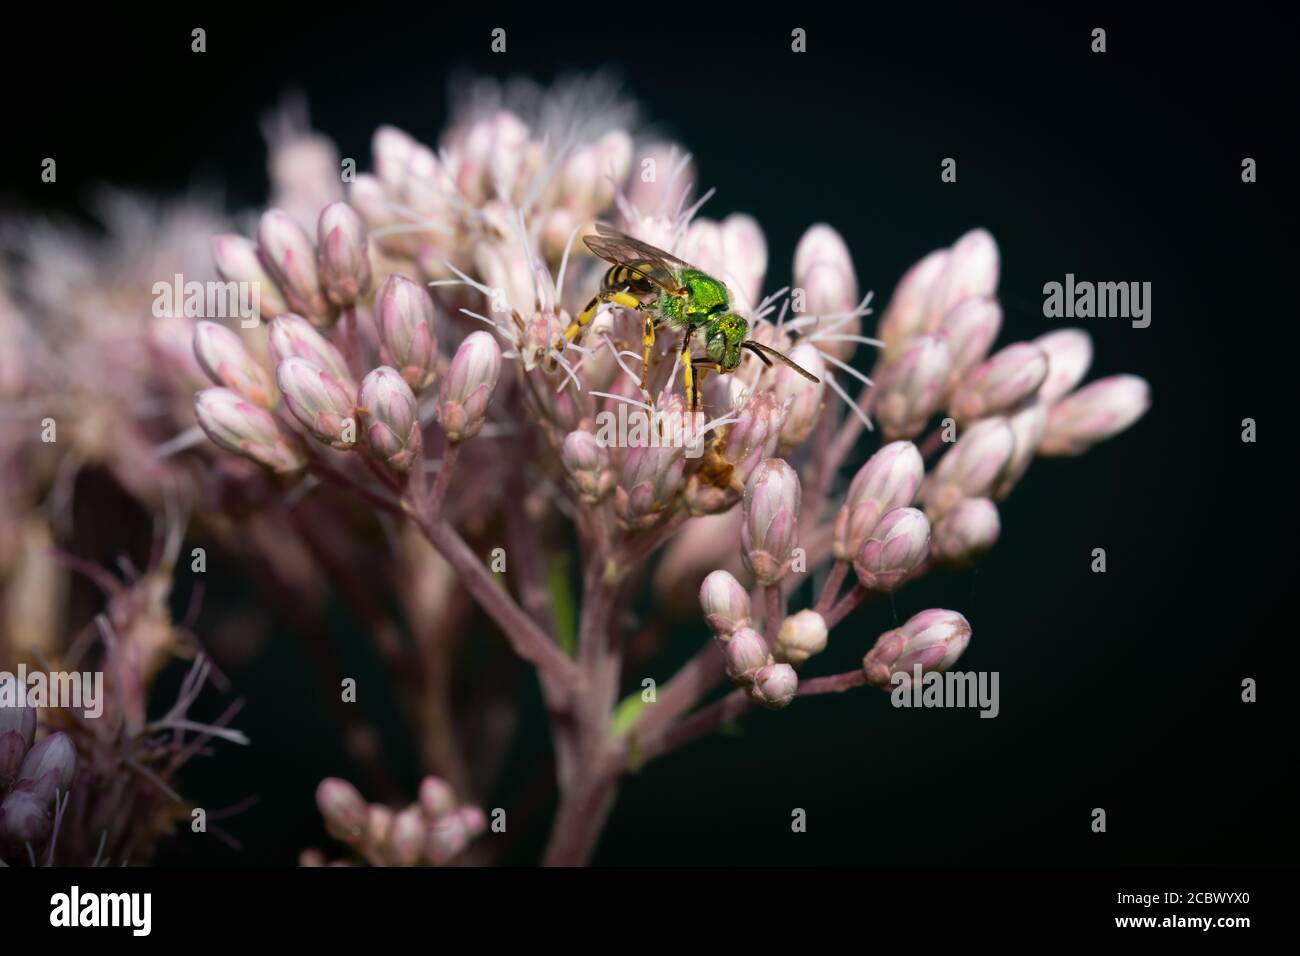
x=1119 y=690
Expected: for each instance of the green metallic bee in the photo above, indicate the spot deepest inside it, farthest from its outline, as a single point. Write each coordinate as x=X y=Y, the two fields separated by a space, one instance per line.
x=668 y=291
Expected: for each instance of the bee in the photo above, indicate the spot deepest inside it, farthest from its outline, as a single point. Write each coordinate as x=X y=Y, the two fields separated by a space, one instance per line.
x=670 y=292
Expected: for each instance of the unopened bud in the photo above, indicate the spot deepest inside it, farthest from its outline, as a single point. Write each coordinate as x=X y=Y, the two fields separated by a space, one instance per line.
x=908 y=312
x=971 y=272
x=1094 y=413
x=391 y=417
x=48 y=768
x=239 y=426
x=17 y=729
x=222 y=356
x=770 y=528
x=911 y=389
x=406 y=340
x=965 y=533
x=342 y=808
x=970 y=328
x=237 y=261
x=971 y=468
x=774 y=686
x=932 y=640
x=725 y=604
x=587 y=462
x=1069 y=353
x=801 y=397
x=343 y=258
x=890 y=479
x=292 y=336
x=437 y=799
x=288 y=255
x=1002 y=384
x=467 y=388
x=320 y=402
x=746 y=652
x=406 y=837
x=894 y=549
x=801 y=636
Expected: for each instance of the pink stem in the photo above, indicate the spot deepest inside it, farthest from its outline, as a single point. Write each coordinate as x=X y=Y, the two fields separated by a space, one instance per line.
x=831 y=589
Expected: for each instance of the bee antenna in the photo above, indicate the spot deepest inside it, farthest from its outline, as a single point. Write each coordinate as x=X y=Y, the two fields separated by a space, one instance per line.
x=757 y=351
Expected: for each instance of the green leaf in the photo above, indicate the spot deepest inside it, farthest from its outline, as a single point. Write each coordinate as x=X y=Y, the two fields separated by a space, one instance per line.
x=562 y=609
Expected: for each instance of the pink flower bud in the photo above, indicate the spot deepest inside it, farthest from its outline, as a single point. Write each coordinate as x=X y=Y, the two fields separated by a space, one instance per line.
x=802 y=398
x=895 y=548
x=801 y=636
x=292 y=336
x=372 y=204
x=890 y=479
x=446 y=840
x=725 y=604
x=1001 y=384
x=287 y=253
x=388 y=408
x=237 y=261
x=1069 y=353
x=648 y=483
x=1094 y=413
x=222 y=356
x=969 y=328
x=744 y=252
x=771 y=509
x=752 y=438
x=467 y=388
x=406 y=340
x=17 y=730
x=239 y=426
x=343 y=256
x=587 y=463
x=774 y=686
x=321 y=403
x=745 y=652
x=1028 y=425
x=933 y=640
x=25 y=818
x=378 y=826
x=908 y=313
x=965 y=533
x=48 y=768
x=971 y=272
x=971 y=468
x=436 y=797
x=910 y=390
x=406 y=837
x=342 y=808
x=474 y=820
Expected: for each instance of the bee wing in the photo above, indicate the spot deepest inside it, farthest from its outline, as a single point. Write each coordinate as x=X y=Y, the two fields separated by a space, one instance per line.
x=645 y=260
x=762 y=351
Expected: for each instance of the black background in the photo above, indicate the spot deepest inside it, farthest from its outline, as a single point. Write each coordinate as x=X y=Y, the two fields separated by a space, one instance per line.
x=1119 y=690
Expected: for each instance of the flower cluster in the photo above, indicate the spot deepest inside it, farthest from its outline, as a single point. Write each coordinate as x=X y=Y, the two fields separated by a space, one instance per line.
x=433 y=831
x=416 y=415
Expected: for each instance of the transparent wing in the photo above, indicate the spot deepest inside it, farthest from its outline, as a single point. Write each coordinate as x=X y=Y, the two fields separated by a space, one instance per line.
x=645 y=260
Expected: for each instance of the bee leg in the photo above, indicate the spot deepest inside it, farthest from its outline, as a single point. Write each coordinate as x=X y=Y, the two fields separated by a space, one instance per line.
x=688 y=371
x=583 y=318
x=648 y=341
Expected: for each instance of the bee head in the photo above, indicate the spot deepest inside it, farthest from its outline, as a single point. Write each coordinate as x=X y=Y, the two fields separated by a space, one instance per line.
x=722 y=338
